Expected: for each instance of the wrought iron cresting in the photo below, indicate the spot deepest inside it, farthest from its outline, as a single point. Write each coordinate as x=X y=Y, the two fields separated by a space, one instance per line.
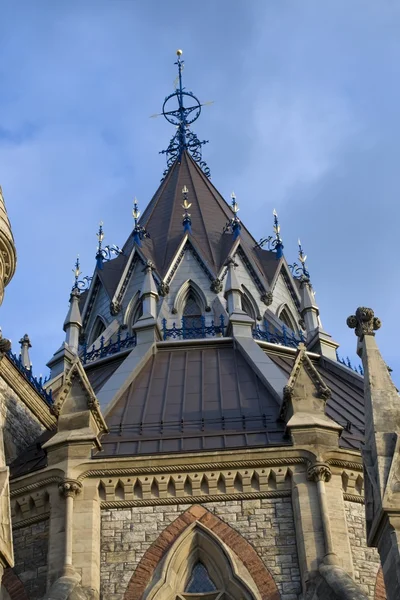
x=193 y=330
x=347 y=363
x=274 y=336
x=37 y=383
x=187 y=111
x=112 y=347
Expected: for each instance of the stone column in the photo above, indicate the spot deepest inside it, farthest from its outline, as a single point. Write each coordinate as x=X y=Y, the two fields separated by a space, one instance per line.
x=381 y=453
x=321 y=473
x=69 y=488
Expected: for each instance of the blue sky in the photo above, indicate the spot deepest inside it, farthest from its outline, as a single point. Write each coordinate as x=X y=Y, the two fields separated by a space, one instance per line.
x=305 y=120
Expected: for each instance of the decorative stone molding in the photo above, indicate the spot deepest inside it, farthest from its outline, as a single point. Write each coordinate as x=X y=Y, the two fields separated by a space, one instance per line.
x=363 y=322
x=30 y=521
x=319 y=472
x=70 y=488
x=163 y=289
x=267 y=298
x=5 y=345
x=115 y=308
x=216 y=286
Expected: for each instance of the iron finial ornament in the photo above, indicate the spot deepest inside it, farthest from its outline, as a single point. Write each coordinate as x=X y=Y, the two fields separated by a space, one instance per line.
x=76 y=271
x=108 y=252
x=233 y=226
x=274 y=243
x=188 y=109
x=139 y=232
x=80 y=285
x=187 y=222
x=300 y=271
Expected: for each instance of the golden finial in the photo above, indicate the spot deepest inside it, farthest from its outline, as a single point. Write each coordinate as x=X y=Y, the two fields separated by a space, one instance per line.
x=135 y=211
x=179 y=52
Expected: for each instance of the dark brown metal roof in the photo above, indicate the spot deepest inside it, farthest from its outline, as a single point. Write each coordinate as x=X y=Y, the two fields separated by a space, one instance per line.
x=99 y=373
x=209 y=214
x=34 y=457
x=193 y=399
x=346 y=404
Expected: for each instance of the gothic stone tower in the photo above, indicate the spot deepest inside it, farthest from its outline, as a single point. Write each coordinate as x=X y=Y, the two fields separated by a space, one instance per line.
x=203 y=440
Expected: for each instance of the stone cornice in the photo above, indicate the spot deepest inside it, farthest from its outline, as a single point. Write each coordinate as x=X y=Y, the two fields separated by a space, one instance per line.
x=32 y=400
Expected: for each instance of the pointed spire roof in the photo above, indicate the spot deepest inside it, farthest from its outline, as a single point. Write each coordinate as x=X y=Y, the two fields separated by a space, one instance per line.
x=209 y=215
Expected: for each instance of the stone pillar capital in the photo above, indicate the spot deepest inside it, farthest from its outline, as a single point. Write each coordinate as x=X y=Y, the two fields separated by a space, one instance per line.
x=69 y=488
x=319 y=472
x=363 y=322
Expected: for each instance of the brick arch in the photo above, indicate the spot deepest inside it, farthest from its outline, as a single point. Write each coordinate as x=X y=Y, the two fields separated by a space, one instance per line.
x=380 y=591
x=240 y=547
x=14 y=585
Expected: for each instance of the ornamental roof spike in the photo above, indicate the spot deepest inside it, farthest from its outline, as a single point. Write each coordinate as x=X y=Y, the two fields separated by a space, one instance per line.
x=187 y=221
x=139 y=232
x=274 y=243
x=300 y=271
x=108 y=252
x=188 y=109
x=233 y=225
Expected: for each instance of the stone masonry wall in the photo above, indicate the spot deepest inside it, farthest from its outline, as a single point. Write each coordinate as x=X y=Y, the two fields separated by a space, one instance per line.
x=267 y=524
x=21 y=427
x=365 y=560
x=30 y=554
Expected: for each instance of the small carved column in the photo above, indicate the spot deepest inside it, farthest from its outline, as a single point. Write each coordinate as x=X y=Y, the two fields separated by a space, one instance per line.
x=321 y=473
x=69 y=488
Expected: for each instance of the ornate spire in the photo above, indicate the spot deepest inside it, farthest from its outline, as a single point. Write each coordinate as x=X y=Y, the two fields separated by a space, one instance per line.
x=187 y=222
x=300 y=271
x=187 y=111
x=73 y=320
x=233 y=226
x=278 y=240
x=25 y=345
x=108 y=252
x=139 y=232
x=273 y=243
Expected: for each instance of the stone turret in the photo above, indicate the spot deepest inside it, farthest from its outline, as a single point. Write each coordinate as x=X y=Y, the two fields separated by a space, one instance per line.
x=8 y=257
x=381 y=453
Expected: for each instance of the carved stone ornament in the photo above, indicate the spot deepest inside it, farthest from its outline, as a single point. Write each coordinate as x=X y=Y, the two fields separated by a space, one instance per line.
x=216 y=286
x=319 y=472
x=163 y=289
x=115 y=308
x=69 y=488
x=5 y=345
x=267 y=298
x=363 y=322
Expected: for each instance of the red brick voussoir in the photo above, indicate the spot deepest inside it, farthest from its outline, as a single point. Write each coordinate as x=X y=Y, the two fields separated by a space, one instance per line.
x=14 y=585
x=380 y=592
x=241 y=547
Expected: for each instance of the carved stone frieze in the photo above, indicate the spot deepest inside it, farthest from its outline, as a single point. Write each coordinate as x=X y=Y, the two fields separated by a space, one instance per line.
x=363 y=322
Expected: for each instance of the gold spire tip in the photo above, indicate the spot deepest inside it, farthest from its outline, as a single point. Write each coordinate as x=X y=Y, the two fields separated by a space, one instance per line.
x=179 y=52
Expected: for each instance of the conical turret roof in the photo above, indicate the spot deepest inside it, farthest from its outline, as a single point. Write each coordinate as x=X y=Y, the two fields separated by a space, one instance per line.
x=209 y=215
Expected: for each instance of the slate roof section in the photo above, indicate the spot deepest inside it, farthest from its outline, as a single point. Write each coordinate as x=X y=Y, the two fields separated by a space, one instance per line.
x=189 y=399
x=99 y=374
x=33 y=458
x=346 y=404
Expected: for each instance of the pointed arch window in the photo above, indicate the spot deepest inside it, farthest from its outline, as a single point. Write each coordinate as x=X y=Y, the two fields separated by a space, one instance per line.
x=138 y=311
x=191 y=313
x=98 y=328
x=287 y=319
x=247 y=307
x=200 y=581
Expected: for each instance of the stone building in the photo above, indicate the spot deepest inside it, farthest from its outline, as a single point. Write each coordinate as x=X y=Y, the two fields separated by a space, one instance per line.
x=198 y=437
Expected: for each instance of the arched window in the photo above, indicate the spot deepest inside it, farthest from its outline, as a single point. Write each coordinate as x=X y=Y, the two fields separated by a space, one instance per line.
x=287 y=319
x=199 y=568
x=247 y=307
x=137 y=311
x=191 y=313
x=97 y=329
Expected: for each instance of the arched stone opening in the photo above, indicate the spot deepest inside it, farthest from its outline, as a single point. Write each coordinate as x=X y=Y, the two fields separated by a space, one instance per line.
x=99 y=326
x=198 y=537
x=188 y=297
x=285 y=315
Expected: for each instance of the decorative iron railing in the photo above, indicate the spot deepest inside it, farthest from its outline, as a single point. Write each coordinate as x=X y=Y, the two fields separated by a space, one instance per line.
x=347 y=363
x=112 y=347
x=36 y=383
x=284 y=338
x=193 y=330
